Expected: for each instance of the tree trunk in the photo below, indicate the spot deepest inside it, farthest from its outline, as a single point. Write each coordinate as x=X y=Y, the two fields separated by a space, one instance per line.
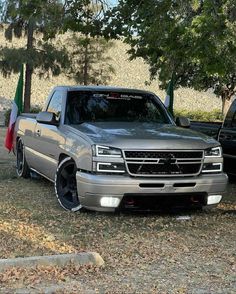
x=28 y=82
x=29 y=68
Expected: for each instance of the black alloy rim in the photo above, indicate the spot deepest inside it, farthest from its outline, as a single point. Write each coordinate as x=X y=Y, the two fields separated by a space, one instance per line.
x=67 y=188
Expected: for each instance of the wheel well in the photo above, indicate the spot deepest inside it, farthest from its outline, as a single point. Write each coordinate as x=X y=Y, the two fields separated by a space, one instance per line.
x=63 y=156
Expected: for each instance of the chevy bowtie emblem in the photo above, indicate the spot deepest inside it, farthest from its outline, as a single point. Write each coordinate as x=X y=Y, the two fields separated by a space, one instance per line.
x=170 y=163
x=170 y=159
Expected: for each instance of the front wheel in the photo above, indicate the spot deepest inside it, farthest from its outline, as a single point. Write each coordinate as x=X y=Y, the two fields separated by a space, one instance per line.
x=22 y=168
x=65 y=185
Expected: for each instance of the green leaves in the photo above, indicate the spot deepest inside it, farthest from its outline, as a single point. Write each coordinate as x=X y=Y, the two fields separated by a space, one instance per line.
x=195 y=39
x=47 y=59
x=84 y=16
x=89 y=61
x=27 y=18
x=46 y=15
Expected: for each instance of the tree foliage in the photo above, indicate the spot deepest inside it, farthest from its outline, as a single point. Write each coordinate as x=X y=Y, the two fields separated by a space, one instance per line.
x=90 y=63
x=85 y=16
x=37 y=21
x=193 y=40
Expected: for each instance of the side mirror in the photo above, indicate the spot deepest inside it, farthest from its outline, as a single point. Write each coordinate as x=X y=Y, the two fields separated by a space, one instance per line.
x=182 y=122
x=48 y=118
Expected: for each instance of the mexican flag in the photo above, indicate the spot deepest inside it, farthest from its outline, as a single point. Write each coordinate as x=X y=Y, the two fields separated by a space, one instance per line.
x=17 y=107
x=169 y=101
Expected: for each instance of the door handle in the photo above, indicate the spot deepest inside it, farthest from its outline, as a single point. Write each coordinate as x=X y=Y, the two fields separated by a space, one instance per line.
x=38 y=133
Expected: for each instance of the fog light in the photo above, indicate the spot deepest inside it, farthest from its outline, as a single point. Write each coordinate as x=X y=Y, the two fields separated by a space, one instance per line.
x=213 y=199
x=110 y=202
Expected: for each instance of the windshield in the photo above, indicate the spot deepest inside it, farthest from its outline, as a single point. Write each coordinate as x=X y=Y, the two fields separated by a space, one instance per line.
x=115 y=106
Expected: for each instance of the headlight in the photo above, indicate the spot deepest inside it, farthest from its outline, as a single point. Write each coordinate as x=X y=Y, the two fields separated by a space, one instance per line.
x=107 y=151
x=108 y=160
x=213 y=152
x=213 y=161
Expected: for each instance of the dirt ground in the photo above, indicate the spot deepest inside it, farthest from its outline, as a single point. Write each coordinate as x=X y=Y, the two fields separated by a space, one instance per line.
x=143 y=253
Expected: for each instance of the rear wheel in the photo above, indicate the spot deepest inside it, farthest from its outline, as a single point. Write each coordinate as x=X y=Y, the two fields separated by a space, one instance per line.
x=65 y=185
x=22 y=168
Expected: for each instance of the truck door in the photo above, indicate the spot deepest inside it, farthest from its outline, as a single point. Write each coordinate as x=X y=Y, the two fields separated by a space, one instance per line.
x=48 y=139
x=227 y=138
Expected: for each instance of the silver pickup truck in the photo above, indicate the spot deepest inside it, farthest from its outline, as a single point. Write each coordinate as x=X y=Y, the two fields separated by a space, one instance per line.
x=109 y=148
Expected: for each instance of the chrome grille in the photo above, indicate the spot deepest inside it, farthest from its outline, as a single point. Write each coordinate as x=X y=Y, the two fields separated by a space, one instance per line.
x=163 y=154
x=163 y=163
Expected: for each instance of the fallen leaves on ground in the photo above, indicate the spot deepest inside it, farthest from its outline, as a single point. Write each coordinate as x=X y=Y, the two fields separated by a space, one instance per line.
x=32 y=276
x=143 y=253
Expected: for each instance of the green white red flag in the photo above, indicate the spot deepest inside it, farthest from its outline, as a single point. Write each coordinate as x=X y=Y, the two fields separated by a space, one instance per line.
x=17 y=107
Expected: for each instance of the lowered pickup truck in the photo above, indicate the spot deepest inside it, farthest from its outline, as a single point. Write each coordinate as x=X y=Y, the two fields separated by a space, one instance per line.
x=111 y=148
x=225 y=133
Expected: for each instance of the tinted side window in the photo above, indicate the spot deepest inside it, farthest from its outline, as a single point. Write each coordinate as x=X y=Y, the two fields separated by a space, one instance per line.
x=55 y=104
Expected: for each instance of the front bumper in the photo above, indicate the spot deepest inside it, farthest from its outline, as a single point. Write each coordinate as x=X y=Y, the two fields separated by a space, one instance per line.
x=92 y=188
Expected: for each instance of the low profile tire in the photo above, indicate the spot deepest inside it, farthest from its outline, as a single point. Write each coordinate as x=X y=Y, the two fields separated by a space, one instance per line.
x=22 y=168
x=65 y=185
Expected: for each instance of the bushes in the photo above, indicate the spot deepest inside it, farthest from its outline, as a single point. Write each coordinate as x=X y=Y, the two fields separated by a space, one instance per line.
x=199 y=115
x=34 y=109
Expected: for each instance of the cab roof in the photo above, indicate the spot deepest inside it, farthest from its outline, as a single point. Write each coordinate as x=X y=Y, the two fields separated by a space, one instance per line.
x=101 y=89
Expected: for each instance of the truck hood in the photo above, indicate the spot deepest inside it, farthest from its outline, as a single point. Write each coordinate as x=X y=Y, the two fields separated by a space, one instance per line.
x=135 y=135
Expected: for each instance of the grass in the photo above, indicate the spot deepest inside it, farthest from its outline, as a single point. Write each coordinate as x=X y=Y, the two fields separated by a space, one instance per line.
x=200 y=115
x=143 y=253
